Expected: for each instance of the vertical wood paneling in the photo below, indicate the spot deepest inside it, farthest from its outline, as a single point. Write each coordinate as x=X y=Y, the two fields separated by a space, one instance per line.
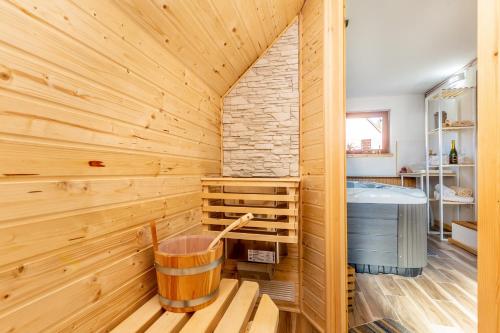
x=488 y=166
x=323 y=165
x=313 y=302
x=335 y=167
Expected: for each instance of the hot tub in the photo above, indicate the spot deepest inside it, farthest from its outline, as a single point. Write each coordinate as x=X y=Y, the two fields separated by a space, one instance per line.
x=386 y=228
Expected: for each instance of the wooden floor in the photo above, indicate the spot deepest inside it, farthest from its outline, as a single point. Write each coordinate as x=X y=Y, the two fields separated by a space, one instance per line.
x=442 y=300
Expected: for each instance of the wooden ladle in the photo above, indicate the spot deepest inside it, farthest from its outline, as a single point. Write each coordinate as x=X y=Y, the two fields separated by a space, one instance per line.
x=239 y=223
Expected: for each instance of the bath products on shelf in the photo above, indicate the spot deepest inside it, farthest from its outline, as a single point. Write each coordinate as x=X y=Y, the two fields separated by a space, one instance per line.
x=434 y=159
x=458 y=123
x=463 y=159
x=436 y=118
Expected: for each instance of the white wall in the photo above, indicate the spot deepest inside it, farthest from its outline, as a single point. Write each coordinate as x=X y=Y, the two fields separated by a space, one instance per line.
x=407 y=140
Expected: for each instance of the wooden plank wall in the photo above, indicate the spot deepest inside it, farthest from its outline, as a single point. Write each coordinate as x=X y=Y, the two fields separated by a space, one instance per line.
x=488 y=166
x=101 y=130
x=323 y=255
x=313 y=302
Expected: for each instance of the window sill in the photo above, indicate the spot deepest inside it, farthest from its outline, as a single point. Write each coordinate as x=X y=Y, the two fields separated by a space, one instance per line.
x=369 y=155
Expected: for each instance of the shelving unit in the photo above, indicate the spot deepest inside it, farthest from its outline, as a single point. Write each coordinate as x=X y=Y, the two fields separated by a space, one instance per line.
x=443 y=134
x=273 y=201
x=266 y=249
x=422 y=175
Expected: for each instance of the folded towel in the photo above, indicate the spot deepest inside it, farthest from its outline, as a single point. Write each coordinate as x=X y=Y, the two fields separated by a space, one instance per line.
x=462 y=191
x=434 y=159
x=458 y=123
x=454 y=198
x=462 y=123
x=446 y=190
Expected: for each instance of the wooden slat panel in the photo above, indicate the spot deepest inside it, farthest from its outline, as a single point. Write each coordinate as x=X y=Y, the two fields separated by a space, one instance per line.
x=253 y=223
x=44 y=120
x=31 y=237
x=110 y=117
x=314 y=182
x=488 y=172
x=109 y=311
x=244 y=196
x=205 y=320
x=266 y=318
x=254 y=210
x=236 y=317
x=258 y=237
x=42 y=79
x=252 y=182
x=314 y=212
x=84 y=29
x=313 y=167
x=142 y=318
x=36 y=276
x=79 y=294
x=73 y=53
x=32 y=161
x=169 y=322
x=25 y=199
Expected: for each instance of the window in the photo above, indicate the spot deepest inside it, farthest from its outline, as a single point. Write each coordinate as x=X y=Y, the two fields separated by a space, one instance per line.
x=367 y=132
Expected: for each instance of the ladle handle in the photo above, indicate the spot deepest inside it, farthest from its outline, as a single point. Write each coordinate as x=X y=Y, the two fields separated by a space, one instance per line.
x=154 y=235
x=241 y=222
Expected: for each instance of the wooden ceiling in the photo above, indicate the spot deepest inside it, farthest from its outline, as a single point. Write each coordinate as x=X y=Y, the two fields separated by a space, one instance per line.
x=217 y=39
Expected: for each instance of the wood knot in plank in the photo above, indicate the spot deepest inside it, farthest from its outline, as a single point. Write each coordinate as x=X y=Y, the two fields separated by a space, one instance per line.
x=96 y=164
x=5 y=73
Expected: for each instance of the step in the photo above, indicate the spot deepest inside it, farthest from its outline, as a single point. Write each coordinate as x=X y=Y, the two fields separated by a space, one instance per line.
x=467 y=224
x=464 y=235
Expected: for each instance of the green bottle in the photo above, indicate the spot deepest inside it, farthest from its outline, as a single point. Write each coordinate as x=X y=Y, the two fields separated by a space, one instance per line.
x=453 y=153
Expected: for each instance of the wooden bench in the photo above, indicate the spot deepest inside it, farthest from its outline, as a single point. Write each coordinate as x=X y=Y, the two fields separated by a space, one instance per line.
x=231 y=312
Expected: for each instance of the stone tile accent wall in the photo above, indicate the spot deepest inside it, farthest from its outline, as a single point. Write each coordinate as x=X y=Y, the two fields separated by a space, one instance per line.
x=261 y=115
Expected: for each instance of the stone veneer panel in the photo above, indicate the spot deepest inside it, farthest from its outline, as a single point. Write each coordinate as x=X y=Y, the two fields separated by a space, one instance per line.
x=261 y=115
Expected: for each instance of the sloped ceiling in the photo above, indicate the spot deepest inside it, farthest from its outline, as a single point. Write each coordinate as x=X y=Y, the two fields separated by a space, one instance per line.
x=217 y=39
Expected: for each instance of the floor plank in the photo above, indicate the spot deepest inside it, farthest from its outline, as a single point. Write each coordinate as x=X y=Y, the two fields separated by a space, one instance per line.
x=388 y=285
x=379 y=305
x=443 y=299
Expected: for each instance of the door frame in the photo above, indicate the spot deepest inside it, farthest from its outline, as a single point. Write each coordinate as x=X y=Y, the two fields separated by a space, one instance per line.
x=488 y=164
x=335 y=165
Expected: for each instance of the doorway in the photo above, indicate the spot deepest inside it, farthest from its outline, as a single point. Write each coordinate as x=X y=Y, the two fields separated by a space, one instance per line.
x=411 y=156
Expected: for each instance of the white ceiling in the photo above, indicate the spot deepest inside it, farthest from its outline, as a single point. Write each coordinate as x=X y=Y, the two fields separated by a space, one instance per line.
x=407 y=46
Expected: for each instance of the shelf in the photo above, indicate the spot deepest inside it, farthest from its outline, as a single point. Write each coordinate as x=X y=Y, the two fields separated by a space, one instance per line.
x=458 y=203
x=451 y=202
x=273 y=201
x=453 y=165
x=466 y=224
x=451 y=128
x=423 y=174
x=451 y=93
x=444 y=130
x=458 y=165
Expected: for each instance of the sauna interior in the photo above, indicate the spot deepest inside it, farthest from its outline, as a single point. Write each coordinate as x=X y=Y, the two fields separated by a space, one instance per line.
x=188 y=114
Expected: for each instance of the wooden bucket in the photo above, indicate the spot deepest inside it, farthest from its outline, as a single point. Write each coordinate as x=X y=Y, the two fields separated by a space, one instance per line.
x=188 y=275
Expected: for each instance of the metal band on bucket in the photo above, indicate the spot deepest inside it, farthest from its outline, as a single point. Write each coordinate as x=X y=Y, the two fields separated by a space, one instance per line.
x=188 y=270
x=188 y=303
